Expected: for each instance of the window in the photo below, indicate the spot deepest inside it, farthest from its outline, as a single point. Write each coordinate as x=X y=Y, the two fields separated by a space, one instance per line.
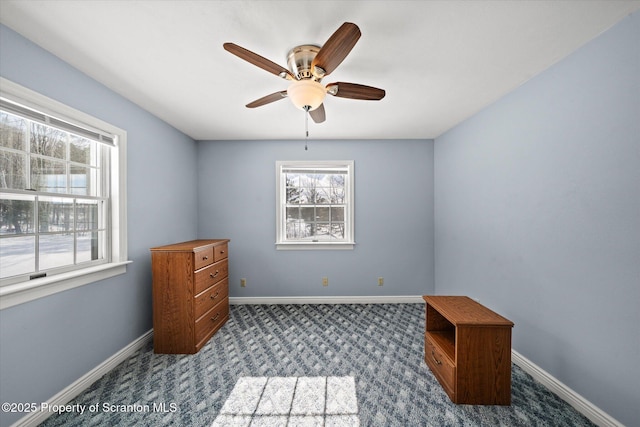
x=62 y=197
x=314 y=205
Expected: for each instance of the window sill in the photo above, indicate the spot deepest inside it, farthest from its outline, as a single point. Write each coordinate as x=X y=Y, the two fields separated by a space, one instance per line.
x=306 y=246
x=20 y=293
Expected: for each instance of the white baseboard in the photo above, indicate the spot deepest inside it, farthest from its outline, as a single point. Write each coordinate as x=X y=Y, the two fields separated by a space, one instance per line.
x=69 y=393
x=582 y=405
x=399 y=299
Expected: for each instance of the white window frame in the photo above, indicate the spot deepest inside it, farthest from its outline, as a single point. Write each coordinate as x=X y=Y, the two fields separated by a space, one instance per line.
x=282 y=243
x=17 y=293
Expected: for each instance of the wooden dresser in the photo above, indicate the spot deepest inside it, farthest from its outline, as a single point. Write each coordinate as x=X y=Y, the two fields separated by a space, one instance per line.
x=190 y=294
x=468 y=349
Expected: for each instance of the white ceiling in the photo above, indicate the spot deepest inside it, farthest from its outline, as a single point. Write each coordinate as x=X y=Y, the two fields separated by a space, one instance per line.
x=439 y=61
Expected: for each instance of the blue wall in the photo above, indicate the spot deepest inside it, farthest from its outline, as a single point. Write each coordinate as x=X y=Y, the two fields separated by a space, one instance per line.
x=537 y=214
x=393 y=218
x=49 y=343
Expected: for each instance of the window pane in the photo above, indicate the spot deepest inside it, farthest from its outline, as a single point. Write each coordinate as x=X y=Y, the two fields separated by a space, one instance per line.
x=55 y=215
x=323 y=195
x=338 y=196
x=337 y=181
x=82 y=150
x=322 y=213
x=16 y=214
x=18 y=255
x=87 y=245
x=292 y=179
x=56 y=250
x=307 y=214
x=13 y=171
x=337 y=214
x=293 y=213
x=338 y=191
x=337 y=230
x=294 y=195
x=87 y=215
x=13 y=130
x=83 y=180
x=48 y=175
x=297 y=229
x=48 y=141
x=322 y=231
x=307 y=195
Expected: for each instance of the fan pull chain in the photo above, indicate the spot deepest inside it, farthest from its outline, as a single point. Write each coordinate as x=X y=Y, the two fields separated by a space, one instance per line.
x=306 y=126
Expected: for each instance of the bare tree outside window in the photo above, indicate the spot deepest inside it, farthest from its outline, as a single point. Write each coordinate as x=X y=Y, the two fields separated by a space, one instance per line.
x=52 y=208
x=316 y=203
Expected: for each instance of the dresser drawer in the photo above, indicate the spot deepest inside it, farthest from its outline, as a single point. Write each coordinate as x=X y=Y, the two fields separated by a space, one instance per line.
x=203 y=257
x=220 y=252
x=211 y=296
x=441 y=366
x=211 y=275
x=212 y=320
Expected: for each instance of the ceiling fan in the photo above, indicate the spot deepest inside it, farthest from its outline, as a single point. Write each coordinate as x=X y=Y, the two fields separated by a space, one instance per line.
x=308 y=65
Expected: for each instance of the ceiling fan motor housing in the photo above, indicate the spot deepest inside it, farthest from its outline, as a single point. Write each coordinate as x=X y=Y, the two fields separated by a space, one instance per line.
x=299 y=60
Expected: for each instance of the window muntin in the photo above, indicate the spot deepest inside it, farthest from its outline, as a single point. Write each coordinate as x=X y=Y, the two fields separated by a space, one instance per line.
x=314 y=204
x=53 y=198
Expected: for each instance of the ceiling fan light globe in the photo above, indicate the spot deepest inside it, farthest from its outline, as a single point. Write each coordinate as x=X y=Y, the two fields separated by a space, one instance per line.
x=306 y=93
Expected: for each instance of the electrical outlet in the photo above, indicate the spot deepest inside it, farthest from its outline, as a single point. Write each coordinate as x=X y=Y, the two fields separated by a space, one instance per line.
x=325 y=281
x=243 y=283
x=380 y=281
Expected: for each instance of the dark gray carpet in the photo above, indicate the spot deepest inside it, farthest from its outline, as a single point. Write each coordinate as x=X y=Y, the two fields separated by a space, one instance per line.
x=380 y=345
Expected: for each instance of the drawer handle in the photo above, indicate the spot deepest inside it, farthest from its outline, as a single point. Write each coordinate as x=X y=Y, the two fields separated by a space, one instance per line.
x=434 y=358
x=221 y=252
x=214 y=318
x=214 y=275
x=215 y=296
x=204 y=258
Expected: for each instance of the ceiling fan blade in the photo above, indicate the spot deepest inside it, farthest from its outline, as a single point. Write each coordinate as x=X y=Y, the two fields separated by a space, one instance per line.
x=258 y=61
x=268 y=99
x=355 y=91
x=336 y=49
x=318 y=115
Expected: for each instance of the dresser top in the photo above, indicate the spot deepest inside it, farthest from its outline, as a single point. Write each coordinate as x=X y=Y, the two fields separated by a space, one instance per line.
x=462 y=310
x=191 y=245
